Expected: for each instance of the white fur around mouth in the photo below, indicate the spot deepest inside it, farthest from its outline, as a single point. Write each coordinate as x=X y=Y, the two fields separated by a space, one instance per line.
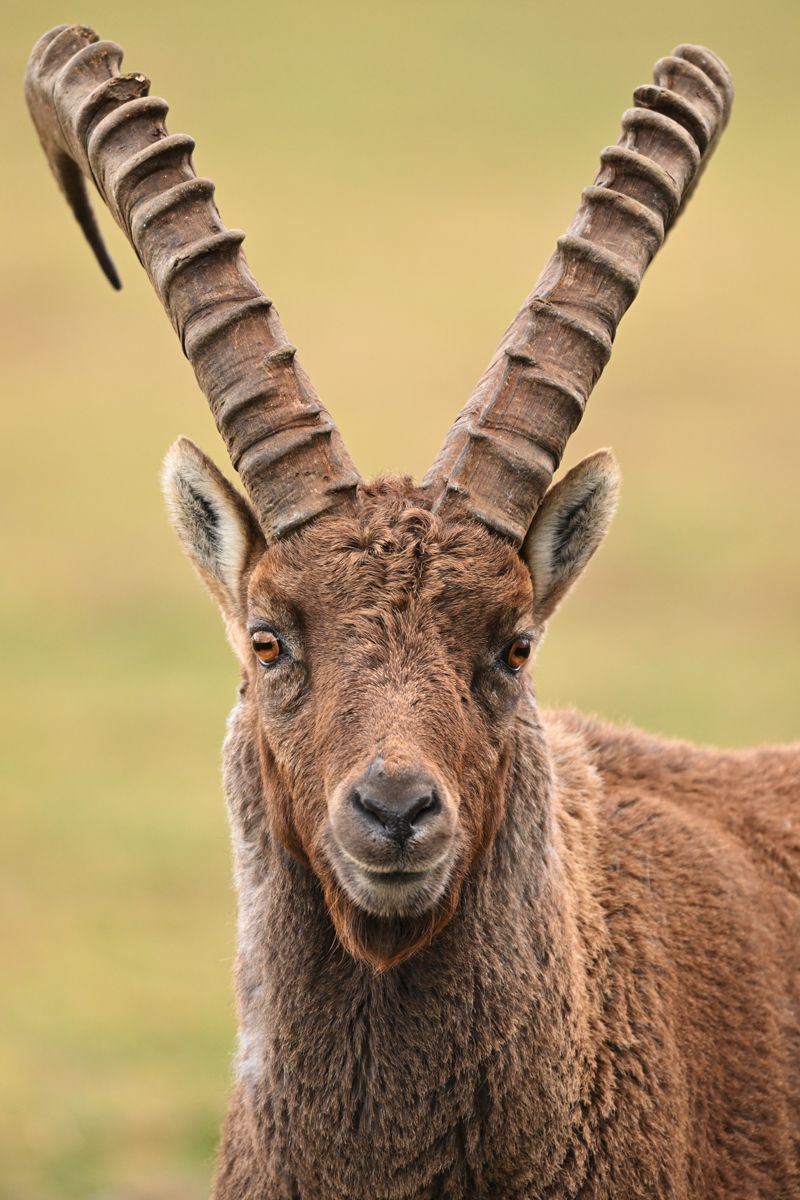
x=376 y=870
x=386 y=890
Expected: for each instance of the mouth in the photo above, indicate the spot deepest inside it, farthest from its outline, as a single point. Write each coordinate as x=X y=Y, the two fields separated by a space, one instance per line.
x=384 y=877
x=389 y=890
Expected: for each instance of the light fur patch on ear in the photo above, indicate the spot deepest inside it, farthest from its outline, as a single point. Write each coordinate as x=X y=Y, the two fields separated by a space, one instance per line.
x=215 y=525
x=572 y=521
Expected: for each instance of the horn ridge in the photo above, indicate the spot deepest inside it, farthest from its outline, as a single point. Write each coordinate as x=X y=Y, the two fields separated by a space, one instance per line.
x=502 y=451
x=96 y=124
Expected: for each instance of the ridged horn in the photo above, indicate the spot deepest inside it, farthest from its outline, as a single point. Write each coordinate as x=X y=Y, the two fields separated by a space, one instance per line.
x=499 y=457
x=97 y=124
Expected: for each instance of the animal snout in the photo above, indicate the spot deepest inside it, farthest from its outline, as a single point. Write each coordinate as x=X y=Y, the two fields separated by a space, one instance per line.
x=393 y=836
x=395 y=805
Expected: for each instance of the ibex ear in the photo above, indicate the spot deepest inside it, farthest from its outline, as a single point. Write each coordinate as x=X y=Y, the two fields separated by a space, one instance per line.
x=570 y=524
x=215 y=524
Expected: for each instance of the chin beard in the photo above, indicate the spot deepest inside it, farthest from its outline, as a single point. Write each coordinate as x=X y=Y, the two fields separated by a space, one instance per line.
x=384 y=942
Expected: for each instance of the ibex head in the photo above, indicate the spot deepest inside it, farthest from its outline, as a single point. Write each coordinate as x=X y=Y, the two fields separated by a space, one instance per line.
x=383 y=629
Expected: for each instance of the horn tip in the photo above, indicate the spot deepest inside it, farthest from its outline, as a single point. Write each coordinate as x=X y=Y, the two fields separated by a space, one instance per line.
x=111 y=274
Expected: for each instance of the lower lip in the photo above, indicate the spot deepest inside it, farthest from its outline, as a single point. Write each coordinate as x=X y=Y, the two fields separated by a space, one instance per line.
x=395 y=877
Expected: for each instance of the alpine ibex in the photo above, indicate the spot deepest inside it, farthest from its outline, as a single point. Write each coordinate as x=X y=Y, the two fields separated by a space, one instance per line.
x=484 y=951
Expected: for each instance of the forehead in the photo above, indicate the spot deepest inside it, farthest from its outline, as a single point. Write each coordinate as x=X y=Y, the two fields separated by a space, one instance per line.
x=391 y=556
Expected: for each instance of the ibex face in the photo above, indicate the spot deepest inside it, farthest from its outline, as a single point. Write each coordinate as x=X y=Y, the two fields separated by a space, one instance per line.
x=384 y=650
x=382 y=630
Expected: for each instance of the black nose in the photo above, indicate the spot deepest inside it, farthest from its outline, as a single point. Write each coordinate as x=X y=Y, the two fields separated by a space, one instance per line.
x=395 y=803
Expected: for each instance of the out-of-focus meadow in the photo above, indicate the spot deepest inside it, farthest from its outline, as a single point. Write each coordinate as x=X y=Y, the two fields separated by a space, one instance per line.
x=402 y=171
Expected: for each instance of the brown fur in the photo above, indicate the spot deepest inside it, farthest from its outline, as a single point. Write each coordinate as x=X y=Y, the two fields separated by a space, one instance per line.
x=610 y=1006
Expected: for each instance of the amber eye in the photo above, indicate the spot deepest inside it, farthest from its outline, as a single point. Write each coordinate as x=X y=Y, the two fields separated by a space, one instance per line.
x=518 y=653
x=266 y=646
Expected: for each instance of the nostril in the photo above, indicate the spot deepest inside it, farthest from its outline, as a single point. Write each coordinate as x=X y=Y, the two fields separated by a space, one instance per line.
x=370 y=808
x=397 y=816
x=423 y=806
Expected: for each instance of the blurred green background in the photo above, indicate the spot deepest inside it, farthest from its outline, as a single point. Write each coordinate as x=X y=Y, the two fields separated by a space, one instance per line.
x=403 y=171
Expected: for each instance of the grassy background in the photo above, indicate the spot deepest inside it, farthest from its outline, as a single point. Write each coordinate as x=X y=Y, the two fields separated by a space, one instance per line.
x=403 y=171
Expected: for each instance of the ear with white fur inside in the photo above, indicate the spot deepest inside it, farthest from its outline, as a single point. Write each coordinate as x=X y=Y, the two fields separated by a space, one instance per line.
x=214 y=523
x=572 y=521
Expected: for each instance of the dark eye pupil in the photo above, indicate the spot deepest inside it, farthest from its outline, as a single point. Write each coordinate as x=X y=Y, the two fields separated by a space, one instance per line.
x=266 y=647
x=518 y=652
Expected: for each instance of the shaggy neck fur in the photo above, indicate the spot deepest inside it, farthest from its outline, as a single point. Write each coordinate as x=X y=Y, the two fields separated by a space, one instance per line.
x=420 y=1081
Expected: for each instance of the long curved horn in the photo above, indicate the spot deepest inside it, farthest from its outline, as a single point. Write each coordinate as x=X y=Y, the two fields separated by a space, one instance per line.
x=500 y=455
x=97 y=124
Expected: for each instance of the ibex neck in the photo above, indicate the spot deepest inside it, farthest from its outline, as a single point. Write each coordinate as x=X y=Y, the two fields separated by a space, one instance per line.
x=349 y=1075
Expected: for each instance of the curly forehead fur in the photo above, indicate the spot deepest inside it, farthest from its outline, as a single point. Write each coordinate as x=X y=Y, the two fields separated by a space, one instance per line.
x=391 y=548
